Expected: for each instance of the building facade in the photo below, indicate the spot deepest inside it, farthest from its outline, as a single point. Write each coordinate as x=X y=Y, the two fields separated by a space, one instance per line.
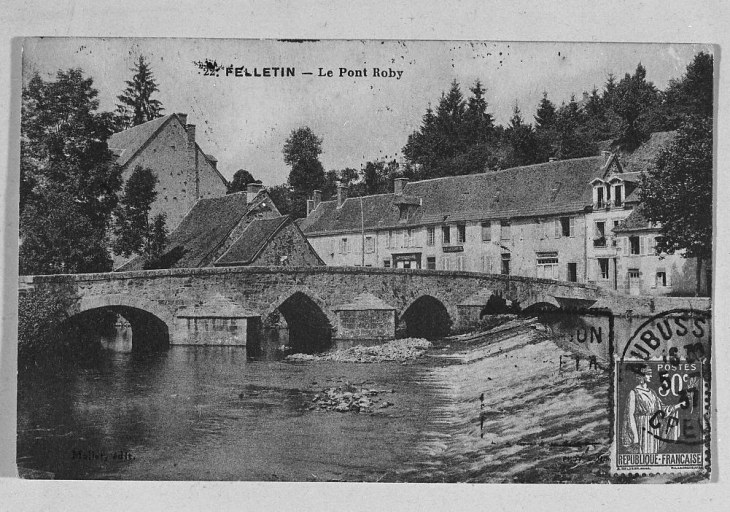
x=240 y=229
x=558 y=220
x=168 y=146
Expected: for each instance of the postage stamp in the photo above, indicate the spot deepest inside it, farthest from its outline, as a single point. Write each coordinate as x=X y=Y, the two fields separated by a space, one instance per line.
x=661 y=392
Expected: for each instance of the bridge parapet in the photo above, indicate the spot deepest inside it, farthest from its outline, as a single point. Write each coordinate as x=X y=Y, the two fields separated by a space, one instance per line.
x=318 y=291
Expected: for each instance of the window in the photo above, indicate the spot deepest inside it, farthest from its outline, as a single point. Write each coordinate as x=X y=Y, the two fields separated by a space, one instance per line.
x=505 y=230
x=547 y=265
x=431 y=263
x=486 y=231
x=599 y=239
x=567 y=227
x=407 y=238
x=344 y=246
x=603 y=267
x=486 y=264
x=386 y=263
x=661 y=279
x=446 y=235
x=369 y=244
x=391 y=240
x=430 y=235
x=618 y=195
x=573 y=272
x=460 y=233
x=505 y=263
x=634 y=245
x=600 y=202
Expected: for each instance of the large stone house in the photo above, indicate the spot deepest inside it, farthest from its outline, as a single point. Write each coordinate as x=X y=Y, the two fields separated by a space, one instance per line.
x=185 y=174
x=554 y=220
x=238 y=229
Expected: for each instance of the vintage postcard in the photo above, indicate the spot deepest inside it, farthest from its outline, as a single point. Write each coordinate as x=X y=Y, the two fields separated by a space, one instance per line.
x=365 y=261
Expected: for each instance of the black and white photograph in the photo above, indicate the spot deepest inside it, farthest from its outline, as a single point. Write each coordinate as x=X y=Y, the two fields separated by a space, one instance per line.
x=365 y=261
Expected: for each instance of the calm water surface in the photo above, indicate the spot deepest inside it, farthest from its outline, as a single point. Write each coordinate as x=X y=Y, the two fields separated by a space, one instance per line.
x=209 y=413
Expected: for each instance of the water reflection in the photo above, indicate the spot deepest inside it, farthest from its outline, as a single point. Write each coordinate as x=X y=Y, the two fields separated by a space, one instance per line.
x=212 y=413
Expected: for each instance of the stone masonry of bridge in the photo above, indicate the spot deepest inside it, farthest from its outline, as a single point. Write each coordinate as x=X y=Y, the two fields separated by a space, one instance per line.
x=219 y=305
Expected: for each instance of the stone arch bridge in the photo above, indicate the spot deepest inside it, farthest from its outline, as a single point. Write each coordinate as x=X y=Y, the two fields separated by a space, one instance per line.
x=230 y=306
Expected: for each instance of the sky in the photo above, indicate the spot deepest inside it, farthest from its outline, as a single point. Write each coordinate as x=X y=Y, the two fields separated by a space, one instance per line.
x=244 y=121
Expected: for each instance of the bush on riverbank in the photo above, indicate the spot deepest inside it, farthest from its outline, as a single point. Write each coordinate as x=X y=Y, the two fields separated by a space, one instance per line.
x=397 y=350
x=38 y=315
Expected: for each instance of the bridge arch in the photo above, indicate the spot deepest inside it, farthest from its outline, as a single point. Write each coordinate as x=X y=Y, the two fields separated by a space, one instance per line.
x=540 y=303
x=308 y=320
x=426 y=317
x=151 y=323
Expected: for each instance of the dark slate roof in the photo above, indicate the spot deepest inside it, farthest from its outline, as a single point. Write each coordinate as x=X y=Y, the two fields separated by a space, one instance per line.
x=130 y=141
x=253 y=239
x=205 y=227
x=634 y=222
x=543 y=189
x=642 y=158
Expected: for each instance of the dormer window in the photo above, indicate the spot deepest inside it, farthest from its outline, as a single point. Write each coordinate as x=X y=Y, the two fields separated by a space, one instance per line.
x=600 y=201
x=618 y=194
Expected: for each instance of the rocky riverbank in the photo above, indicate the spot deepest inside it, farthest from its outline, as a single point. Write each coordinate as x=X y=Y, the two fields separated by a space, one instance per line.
x=400 y=351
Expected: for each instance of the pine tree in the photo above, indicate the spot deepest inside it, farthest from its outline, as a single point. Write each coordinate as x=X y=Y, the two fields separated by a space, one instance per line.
x=545 y=116
x=691 y=95
x=521 y=138
x=478 y=123
x=136 y=105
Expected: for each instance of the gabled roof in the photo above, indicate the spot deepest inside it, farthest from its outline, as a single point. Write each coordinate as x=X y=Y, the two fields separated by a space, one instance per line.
x=544 y=189
x=634 y=222
x=205 y=227
x=130 y=141
x=252 y=241
x=126 y=144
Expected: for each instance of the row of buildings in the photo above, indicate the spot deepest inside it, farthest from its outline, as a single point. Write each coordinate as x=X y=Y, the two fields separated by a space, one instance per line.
x=573 y=220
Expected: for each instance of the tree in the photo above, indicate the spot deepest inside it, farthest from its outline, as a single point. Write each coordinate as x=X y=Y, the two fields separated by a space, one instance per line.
x=677 y=194
x=545 y=131
x=136 y=105
x=133 y=231
x=571 y=140
x=64 y=156
x=478 y=124
x=157 y=240
x=240 y=181
x=521 y=137
x=301 y=152
x=281 y=196
x=691 y=95
x=635 y=101
x=57 y=238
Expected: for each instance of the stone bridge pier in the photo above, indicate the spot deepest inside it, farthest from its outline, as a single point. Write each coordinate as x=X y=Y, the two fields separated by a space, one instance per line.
x=313 y=306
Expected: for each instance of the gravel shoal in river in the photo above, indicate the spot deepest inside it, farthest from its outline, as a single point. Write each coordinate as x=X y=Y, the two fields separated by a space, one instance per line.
x=397 y=350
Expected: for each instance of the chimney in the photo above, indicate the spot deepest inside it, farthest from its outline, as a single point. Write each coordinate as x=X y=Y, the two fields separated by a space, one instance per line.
x=183 y=118
x=190 y=128
x=252 y=190
x=341 y=194
x=398 y=185
x=310 y=206
x=316 y=198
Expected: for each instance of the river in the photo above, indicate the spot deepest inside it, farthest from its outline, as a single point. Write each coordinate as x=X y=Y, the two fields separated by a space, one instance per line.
x=211 y=413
